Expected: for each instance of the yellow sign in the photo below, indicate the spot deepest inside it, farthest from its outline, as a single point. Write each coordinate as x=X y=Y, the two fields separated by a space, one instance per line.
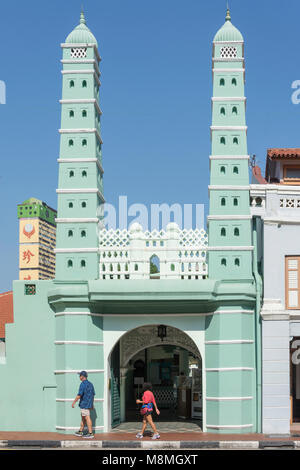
x=29 y=231
x=29 y=275
x=29 y=256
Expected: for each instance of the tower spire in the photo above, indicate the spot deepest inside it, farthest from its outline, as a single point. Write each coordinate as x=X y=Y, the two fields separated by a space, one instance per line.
x=82 y=17
x=228 y=17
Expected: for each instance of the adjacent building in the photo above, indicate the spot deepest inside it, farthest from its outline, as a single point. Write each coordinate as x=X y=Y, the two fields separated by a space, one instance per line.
x=275 y=208
x=37 y=240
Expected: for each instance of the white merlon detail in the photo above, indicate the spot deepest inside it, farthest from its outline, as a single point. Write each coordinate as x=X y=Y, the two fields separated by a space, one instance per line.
x=79 y=220
x=82 y=101
x=76 y=250
x=82 y=160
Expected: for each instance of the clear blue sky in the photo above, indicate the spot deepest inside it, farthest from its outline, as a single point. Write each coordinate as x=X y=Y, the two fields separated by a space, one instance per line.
x=155 y=96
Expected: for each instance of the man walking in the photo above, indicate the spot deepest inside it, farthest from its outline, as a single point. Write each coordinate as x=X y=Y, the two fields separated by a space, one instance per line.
x=86 y=395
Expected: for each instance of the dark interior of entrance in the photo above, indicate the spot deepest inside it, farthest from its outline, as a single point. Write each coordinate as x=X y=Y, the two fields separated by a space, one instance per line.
x=176 y=378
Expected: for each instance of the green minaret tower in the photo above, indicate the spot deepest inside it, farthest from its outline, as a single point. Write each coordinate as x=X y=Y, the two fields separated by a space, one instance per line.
x=231 y=354
x=230 y=252
x=80 y=188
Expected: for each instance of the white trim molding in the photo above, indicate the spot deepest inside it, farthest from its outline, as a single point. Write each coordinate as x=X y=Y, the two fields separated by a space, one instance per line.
x=76 y=220
x=228 y=369
x=88 y=343
x=82 y=160
x=228 y=98
x=72 y=428
x=66 y=72
x=82 y=61
x=81 y=131
x=77 y=371
x=65 y=400
x=65 y=45
x=229 y=426
x=229 y=217
x=81 y=191
x=229 y=157
x=230 y=341
x=223 y=187
x=230 y=248
x=228 y=59
x=76 y=250
x=60 y=314
x=228 y=128
x=82 y=101
x=228 y=70
x=228 y=398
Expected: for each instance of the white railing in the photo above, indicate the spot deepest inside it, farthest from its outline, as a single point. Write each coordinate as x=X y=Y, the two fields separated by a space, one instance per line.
x=164 y=254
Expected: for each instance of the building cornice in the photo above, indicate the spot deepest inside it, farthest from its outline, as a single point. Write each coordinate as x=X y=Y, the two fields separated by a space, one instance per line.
x=228 y=98
x=82 y=61
x=82 y=101
x=76 y=250
x=230 y=248
x=80 y=191
x=65 y=45
x=229 y=157
x=66 y=72
x=228 y=187
x=81 y=131
x=228 y=128
x=229 y=217
x=82 y=220
x=82 y=160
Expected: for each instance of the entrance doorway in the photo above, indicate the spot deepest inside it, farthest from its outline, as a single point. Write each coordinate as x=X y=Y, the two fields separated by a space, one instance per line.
x=171 y=362
x=295 y=380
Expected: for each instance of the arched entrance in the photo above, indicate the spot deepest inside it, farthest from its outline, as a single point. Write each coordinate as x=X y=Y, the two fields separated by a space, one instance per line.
x=169 y=359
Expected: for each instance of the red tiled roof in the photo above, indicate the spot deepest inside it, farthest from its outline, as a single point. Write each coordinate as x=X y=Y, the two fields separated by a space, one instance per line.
x=6 y=311
x=256 y=172
x=283 y=153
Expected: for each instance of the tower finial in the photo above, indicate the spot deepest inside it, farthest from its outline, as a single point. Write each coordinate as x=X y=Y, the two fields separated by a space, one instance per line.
x=228 y=17
x=82 y=18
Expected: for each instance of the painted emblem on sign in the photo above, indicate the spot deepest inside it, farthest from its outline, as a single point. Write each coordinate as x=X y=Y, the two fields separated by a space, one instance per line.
x=28 y=230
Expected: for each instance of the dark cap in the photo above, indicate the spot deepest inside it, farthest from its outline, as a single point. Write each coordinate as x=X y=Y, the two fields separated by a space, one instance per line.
x=83 y=373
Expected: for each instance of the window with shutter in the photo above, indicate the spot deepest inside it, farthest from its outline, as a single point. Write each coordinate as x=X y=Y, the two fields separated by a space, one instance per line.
x=292 y=265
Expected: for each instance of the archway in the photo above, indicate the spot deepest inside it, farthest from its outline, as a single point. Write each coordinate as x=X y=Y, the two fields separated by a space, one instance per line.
x=170 y=360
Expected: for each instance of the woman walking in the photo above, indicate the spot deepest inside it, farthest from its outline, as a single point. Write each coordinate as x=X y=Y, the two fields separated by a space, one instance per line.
x=147 y=402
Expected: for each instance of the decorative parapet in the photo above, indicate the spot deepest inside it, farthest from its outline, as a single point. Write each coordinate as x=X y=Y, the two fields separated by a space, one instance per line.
x=164 y=254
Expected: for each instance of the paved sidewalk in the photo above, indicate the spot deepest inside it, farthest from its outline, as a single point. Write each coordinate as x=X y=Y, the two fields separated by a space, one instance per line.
x=168 y=440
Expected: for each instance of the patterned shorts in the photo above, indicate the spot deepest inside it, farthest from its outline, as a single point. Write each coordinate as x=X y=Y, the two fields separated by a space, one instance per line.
x=84 y=412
